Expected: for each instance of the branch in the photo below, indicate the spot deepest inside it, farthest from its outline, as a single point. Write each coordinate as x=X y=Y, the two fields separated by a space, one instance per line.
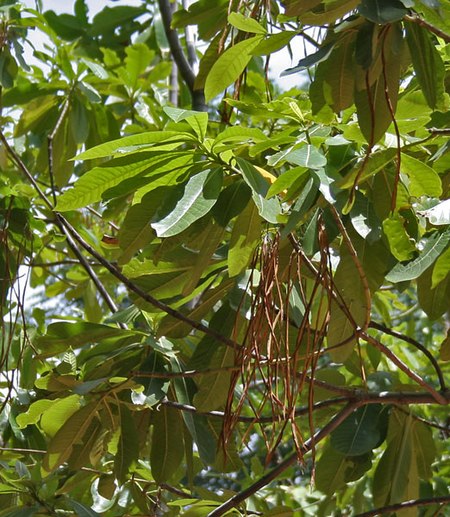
x=407 y=504
x=186 y=72
x=415 y=343
x=141 y=293
x=286 y=463
x=440 y=399
x=414 y=18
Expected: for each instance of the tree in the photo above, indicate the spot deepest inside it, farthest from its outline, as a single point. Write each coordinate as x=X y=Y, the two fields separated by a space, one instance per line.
x=240 y=299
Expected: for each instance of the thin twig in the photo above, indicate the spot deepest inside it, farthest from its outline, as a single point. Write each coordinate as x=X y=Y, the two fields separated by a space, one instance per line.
x=414 y=18
x=441 y=500
x=415 y=343
x=440 y=399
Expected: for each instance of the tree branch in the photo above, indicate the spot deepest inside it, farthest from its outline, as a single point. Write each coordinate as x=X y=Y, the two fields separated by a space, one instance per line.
x=407 y=504
x=419 y=346
x=414 y=18
x=186 y=72
x=286 y=463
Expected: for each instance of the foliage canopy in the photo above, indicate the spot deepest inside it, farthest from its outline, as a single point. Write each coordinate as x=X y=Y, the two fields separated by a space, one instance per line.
x=240 y=294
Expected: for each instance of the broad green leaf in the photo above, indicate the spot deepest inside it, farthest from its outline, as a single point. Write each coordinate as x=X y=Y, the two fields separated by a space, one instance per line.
x=333 y=470
x=137 y=60
x=339 y=76
x=273 y=43
x=245 y=237
x=155 y=388
x=197 y=120
x=423 y=180
x=364 y=220
x=90 y=187
x=438 y=215
x=240 y=134
x=313 y=59
x=434 y=301
x=441 y=268
x=434 y=246
x=428 y=64
x=376 y=162
x=297 y=7
x=445 y=348
x=328 y=12
x=286 y=179
x=83 y=510
x=209 y=242
x=133 y=143
x=303 y=204
x=232 y=200
x=73 y=431
x=128 y=445
x=269 y=209
x=63 y=335
x=400 y=244
x=393 y=477
x=229 y=66
x=382 y=11
x=348 y=282
x=361 y=432
x=199 y=196
x=33 y=413
x=245 y=24
x=213 y=388
x=307 y=156
x=167 y=448
x=20 y=511
x=54 y=417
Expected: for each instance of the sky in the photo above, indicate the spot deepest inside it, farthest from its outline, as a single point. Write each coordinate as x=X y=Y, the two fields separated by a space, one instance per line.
x=278 y=62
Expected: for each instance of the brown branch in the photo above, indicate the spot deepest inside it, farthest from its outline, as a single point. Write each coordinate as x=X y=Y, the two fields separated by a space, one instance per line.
x=440 y=399
x=407 y=504
x=141 y=293
x=186 y=72
x=414 y=18
x=286 y=463
x=415 y=343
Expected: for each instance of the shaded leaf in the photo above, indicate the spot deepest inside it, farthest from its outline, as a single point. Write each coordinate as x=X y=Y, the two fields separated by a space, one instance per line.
x=167 y=449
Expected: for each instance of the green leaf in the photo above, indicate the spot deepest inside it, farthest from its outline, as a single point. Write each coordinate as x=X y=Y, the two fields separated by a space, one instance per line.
x=71 y=433
x=229 y=66
x=132 y=144
x=445 y=348
x=348 y=282
x=433 y=301
x=197 y=120
x=313 y=59
x=245 y=24
x=269 y=209
x=63 y=335
x=273 y=43
x=83 y=510
x=428 y=64
x=167 y=448
x=435 y=244
x=286 y=180
x=90 y=187
x=400 y=244
x=199 y=196
x=441 y=268
x=423 y=180
x=245 y=236
x=128 y=445
x=213 y=388
x=138 y=58
x=382 y=11
x=361 y=432
x=438 y=215
x=307 y=156
x=328 y=12
x=54 y=417
x=232 y=200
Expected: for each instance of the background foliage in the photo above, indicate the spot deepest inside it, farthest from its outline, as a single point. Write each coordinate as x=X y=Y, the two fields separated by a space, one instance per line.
x=240 y=294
